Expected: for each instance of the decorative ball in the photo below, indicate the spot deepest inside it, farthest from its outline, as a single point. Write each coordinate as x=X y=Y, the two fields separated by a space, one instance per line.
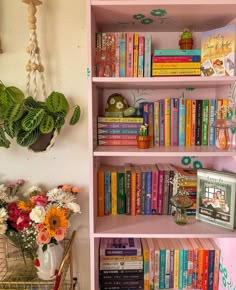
x=116 y=105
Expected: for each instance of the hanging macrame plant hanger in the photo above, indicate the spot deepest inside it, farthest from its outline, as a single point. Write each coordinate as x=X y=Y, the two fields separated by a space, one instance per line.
x=35 y=75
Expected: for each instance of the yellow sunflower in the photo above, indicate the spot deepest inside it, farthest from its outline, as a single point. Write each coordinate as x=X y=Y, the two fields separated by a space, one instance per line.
x=26 y=206
x=55 y=218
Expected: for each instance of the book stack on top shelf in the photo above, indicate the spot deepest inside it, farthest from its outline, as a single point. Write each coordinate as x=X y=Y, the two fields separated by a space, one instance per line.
x=121 y=264
x=176 y=62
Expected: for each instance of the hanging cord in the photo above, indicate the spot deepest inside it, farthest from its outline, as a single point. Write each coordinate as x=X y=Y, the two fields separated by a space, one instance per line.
x=34 y=64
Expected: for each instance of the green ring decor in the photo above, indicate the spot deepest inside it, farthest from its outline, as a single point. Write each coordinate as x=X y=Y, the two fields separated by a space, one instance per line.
x=197 y=164
x=158 y=12
x=186 y=160
x=138 y=16
x=146 y=21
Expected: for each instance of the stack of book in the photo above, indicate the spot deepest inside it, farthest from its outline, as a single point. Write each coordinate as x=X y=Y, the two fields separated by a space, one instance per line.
x=120 y=264
x=118 y=131
x=180 y=263
x=175 y=62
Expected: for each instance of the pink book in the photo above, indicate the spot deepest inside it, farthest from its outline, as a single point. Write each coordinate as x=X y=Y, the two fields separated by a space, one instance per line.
x=174 y=122
x=154 y=188
x=193 y=123
x=117 y=54
x=129 y=54
x=177 y=58
x=117 y=142
x=117 y=136
x=141 y=42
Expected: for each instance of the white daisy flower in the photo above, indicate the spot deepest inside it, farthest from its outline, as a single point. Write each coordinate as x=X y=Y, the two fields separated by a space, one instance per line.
x=119 y=105
x=30 y=190
x=74 y=207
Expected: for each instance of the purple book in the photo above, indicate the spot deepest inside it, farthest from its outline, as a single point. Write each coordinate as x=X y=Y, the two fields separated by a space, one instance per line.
x=119 y=125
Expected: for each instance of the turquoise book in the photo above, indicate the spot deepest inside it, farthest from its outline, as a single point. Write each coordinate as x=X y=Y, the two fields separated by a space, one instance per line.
x=122 y=54
x=182 y=123
x=170 y=52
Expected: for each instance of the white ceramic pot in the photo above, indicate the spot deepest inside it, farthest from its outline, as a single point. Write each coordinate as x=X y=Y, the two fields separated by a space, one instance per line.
x=49 y=261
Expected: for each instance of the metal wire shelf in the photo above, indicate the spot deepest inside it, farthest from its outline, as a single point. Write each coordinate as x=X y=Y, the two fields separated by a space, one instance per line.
x=17 y=274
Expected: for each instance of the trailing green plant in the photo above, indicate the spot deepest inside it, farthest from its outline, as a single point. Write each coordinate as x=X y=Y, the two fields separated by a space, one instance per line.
x=26 y=119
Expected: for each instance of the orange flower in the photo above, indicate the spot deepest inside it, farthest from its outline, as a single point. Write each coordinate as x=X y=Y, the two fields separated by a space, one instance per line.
x=76 y=189
x=67 y=187
x=55 y=218
x=26 y=206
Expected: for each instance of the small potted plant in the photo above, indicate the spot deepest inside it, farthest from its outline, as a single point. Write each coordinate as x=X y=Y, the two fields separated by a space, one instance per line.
x=186 y=39
x=32 y=123
x=143 y=140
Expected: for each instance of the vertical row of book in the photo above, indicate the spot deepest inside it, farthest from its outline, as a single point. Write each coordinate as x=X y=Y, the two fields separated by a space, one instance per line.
x=142 y=189
x=158 y=263
x=122 y=54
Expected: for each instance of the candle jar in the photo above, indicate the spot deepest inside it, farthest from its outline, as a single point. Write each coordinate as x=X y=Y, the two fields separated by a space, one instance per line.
x=181 y=202
x=223 y=134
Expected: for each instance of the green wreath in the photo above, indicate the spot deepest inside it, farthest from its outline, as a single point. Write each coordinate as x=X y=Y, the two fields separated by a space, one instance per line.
x=158 y=12
x=138 y=16
x=197 y=164
x=186 y=160
x=146 y=21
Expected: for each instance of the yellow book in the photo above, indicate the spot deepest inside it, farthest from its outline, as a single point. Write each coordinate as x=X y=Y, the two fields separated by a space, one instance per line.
x=167 y=122
x=135 y=72
x=175 y=71
x=176 y=247
x=188 y=122
x=145 y=263
x=113 y=190
x=176 y=65
x=225 y=104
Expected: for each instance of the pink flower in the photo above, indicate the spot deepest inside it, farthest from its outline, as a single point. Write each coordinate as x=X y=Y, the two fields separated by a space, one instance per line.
x=11 y=185
x=60 y=234
x=37 y=263
x=23 y=221
x=39 y=227
x=20 y=181
x=43 y=237
x=40 y=200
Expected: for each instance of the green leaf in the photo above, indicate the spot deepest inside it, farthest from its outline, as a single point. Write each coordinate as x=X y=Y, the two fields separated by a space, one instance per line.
x=59 y=122
x=4 y=142
x=30 y=104
x=47 y=124
x=15 y=112
x=32 y=119
x=57 y=103
x=44 y=247
x=5 y=103
x=15 y=93
x=26 y=139
x=12 y=128
x=76 y=115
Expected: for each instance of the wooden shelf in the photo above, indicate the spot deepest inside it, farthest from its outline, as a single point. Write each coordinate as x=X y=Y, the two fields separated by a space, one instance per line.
x=155 y=226
x=162 y=82
x=162 y=151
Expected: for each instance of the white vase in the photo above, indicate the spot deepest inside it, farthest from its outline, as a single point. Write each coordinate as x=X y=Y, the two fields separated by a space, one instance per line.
x=49 y=261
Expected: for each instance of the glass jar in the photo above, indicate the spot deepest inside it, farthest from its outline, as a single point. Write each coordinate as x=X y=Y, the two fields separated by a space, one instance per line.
x=223 y=135
x=181 y=202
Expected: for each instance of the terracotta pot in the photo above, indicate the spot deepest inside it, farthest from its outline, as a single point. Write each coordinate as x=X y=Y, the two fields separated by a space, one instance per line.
x=143 y=142
x=186 y=43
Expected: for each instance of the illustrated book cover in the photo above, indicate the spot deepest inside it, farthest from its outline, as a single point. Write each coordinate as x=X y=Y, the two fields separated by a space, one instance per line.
x=218 y=48
x=216 y=198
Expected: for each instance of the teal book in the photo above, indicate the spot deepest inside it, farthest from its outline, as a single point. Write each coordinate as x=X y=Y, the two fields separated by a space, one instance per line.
x=182 y=123
x=162 y=263
x=121 y=199
x=181 y=268
x=122 y=54
x=158 y=52
x=107 y=191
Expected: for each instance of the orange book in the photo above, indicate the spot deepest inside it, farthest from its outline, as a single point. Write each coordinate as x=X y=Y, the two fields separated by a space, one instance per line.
x=225 y=103
x=113 y=190
x=205 y=265
x=167 y=122
x=193 y=122
x=188 y=132
x=135 y=73
x=133 y=191
x=219 y=104
x=202 y=255
x=101 y=192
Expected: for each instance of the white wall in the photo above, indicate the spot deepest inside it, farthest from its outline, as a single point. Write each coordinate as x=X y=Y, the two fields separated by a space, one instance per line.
x=62 y=39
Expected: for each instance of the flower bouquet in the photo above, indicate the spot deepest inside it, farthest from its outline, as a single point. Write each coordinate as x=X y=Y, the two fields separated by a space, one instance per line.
x=36 y=218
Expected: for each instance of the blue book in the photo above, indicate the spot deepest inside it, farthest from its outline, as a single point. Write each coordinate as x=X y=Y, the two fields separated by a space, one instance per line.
x=182 y=123
x=148 y=191
x=122 y=54
x=212 y=116
x=162 y=267
x=162 y=121
x=107 y=192
x=143 y=110
x=177 y=52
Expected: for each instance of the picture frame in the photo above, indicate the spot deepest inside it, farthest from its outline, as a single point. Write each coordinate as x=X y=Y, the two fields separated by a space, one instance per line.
x=216 y=198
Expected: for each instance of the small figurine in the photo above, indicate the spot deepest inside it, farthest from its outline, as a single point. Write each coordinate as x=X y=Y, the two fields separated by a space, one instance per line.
x=117 y=106
x=186 y=39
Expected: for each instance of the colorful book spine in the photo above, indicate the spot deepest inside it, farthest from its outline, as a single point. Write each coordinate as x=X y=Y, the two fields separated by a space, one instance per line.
x=129 y=54
x=200 y=266
x=145 y=263
x=143 y=189
x=190 y=268
x=133 y=192
x=198 y=134
x=181 y=268
x=122 y=120
x=135 y=72
x=167 y=127
x=148 y=191
x=151 y=121
x=165 y=199
x=162 y=122
x=151 y=262
x=205 y=269
x=188 y=130
x=205 y=121
x=171 y=65
x=212 y=116
x=122 y=54
x=185 y=268
x=176 y=52
x=160 y=188
x=156 y=264
x=98 y=40
x=193 y=123
x=113 y=191
x=211 y=269
x=138 y=190
x=119 y=125
x=118 y=131
x=154 y=188
x=116 y=137
x=127 y=168
x=120 y=190
x=176 y=268
x=117 y=142
x=182 y=123
x=156 y=124
x=147 y=55
x=141 y=43
x=176 y=72
x=171 y=284
x=177 y=58
x=117 y=54
x=216 y=266
x=143 y=107
x=162 y=268
x=101 y=192
x=107 y=184
x=167 y=269
x=174 y=122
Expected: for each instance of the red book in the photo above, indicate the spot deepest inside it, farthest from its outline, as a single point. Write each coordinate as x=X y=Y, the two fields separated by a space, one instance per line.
x=177 y=58
x=125 y=142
